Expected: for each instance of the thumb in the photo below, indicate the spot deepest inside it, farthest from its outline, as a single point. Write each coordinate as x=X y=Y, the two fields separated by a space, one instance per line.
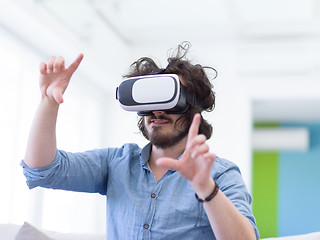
x=57 y=95
x=169 y=163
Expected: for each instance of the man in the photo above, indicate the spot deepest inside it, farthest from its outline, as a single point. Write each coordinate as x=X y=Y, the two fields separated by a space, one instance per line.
x=173 y=188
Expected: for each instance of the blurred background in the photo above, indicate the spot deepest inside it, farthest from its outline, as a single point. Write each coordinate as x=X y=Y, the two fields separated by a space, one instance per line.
x=267 y=115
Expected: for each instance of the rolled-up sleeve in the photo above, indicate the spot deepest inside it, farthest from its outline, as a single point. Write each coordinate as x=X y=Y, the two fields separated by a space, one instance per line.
x=82 y=172
x=230 y=181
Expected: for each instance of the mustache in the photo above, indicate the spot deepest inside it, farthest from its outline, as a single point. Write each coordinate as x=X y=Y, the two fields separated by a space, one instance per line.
x=160 y=117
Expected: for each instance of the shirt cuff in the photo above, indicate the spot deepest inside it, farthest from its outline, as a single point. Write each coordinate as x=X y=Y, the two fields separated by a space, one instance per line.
x=40 y=176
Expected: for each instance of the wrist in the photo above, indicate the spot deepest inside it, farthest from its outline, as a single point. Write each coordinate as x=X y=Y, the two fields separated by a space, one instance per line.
x=210 y=196
x=204 y=190
x=50 y=102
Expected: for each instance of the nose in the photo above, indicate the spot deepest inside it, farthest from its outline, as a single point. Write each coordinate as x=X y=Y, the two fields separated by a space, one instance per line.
x=158 y=112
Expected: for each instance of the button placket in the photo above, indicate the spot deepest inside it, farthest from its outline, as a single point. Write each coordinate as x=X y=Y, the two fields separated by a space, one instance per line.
x=153 y=205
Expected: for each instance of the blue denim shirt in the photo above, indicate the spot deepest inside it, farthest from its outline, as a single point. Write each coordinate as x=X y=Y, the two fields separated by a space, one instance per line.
x=138 y=207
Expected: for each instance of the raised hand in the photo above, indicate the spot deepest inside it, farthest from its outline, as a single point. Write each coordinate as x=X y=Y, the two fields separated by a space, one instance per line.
x=55 y=77
x=196 y=162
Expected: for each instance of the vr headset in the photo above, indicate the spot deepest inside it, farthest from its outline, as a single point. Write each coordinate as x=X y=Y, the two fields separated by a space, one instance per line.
x=144 y=94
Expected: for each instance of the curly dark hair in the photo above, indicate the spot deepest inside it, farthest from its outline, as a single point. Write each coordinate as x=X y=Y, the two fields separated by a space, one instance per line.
x=195 y=80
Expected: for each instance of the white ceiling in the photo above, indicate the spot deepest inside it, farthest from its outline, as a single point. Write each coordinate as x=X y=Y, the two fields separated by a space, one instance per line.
x=137 y=21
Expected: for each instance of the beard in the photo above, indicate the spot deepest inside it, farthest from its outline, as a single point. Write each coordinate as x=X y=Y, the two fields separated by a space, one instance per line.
x=165 y=140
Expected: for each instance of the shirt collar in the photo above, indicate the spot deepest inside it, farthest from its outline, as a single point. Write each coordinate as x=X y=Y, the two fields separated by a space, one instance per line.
x=145 y=156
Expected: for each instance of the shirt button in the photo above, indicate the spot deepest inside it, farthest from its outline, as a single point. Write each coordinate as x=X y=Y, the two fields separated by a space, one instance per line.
x=153 y=195
x=146 y=226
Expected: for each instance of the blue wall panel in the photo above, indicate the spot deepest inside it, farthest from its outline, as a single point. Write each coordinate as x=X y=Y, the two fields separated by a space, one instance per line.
x=299 y=187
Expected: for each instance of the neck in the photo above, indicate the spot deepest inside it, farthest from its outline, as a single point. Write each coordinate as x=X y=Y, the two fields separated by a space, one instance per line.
x=172 y=152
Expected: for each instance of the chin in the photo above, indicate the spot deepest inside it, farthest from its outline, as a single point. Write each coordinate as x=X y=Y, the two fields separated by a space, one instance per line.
x=167 y=140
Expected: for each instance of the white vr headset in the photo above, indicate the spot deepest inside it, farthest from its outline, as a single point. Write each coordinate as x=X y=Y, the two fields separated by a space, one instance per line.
x=144 y=94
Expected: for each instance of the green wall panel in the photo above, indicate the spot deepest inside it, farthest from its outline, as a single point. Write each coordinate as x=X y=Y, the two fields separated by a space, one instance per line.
x=265 y=187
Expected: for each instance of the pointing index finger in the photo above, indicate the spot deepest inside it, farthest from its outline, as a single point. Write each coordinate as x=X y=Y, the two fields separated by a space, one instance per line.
x=73 y=67
x=194 y=128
